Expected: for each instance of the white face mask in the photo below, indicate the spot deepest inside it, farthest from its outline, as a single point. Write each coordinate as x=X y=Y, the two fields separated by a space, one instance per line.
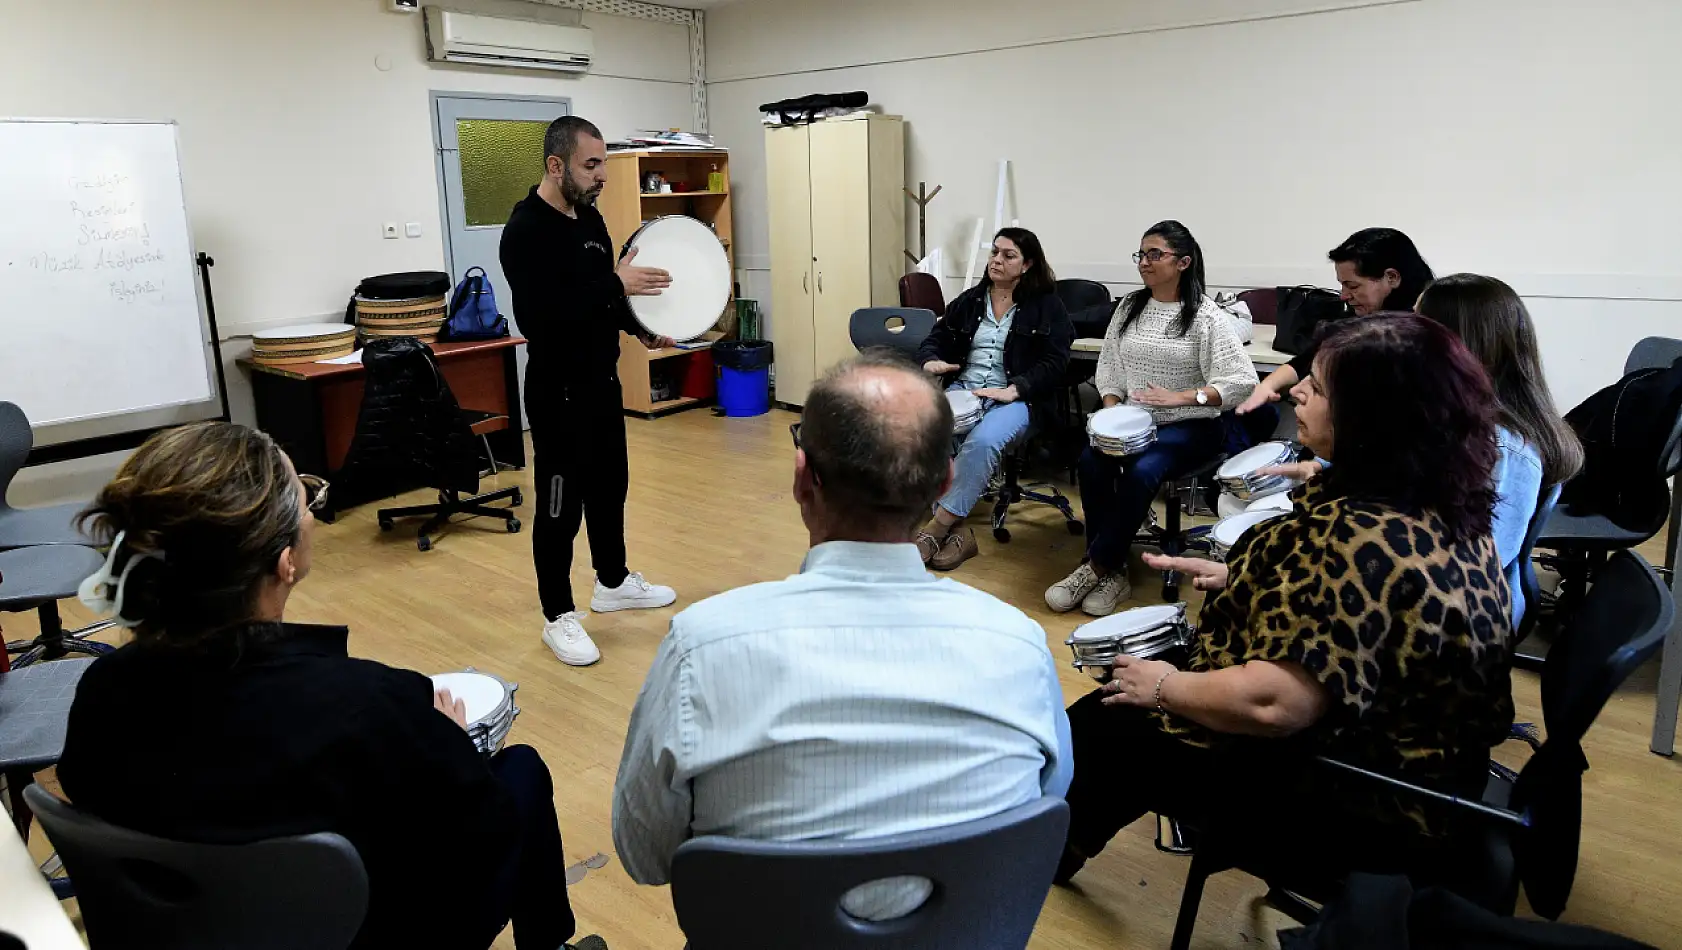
x=103 y=596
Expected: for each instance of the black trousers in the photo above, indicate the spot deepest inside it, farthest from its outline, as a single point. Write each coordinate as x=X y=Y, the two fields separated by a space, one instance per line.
x=578 y=438
x=531 y=886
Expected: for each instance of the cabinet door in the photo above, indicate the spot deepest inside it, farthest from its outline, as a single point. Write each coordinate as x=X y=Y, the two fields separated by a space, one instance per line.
x=840 y=233
x=788 y=195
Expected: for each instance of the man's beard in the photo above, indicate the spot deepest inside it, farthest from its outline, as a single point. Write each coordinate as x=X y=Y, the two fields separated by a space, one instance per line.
x=575 y=195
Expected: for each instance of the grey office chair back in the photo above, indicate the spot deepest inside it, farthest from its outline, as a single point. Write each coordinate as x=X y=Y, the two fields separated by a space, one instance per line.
x=1658 y=352
x=990 y=879
x=16 y=440
x=898 y=328
x=145 y=893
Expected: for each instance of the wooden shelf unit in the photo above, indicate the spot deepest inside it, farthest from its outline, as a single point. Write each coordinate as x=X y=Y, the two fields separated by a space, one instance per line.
x=625 y=208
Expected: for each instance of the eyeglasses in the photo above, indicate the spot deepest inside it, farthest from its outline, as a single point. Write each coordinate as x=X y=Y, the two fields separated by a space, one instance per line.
x=811 y=466
x=315 y=491
x=1153 y=255
x=794 y=430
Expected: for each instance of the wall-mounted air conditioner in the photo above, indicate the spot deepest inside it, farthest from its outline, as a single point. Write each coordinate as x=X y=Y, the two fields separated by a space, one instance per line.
x=454 y=37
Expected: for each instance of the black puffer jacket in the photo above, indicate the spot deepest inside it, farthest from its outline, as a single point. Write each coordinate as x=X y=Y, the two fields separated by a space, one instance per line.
x=1036 y=352
x=1625 y=428
x=410 y=432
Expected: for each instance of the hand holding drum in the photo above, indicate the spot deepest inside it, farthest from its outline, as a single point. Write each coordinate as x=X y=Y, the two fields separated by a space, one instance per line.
x=641 y=281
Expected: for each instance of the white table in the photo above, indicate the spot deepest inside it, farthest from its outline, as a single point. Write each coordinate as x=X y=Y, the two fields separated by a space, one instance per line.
x=1260 y=348
x=28 y=909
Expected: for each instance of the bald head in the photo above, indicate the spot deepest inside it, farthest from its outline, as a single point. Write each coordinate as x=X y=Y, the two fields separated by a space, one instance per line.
x=877 y=433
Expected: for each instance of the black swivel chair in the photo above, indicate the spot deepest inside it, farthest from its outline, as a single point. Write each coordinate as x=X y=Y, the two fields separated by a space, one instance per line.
x=897 y=328
x=1524 y=831
x=990 y=879
x=139 y=892
x=37 y=578
x=23 y=527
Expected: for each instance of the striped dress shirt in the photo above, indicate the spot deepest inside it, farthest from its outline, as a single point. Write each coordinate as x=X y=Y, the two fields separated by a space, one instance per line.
x=862 y=697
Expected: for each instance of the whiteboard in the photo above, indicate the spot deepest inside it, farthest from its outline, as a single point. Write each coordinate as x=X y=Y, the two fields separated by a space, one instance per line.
x=99 y=303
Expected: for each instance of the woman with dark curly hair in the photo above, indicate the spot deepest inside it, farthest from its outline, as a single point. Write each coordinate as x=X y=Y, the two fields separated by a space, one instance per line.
x=1369 y=624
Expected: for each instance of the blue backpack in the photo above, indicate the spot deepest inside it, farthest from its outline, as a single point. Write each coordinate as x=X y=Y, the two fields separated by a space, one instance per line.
x=473 y=313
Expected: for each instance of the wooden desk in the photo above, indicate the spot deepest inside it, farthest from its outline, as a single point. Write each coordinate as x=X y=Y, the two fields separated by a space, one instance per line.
x=311 y=408
x=1260 y=348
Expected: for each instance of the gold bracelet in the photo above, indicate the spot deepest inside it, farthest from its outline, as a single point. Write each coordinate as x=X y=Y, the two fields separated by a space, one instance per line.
x=1160 y=680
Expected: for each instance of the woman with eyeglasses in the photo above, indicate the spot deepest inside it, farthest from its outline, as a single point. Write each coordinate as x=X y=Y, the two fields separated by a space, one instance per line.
x=221 y=722
x=1007 y=341
x=1171 y=351
x=1378 y=269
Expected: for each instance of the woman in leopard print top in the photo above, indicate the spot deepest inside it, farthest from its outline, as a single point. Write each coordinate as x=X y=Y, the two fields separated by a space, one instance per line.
x=1369 y=624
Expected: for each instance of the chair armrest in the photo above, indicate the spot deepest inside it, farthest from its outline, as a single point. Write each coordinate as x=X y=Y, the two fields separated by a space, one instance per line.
x=1490 y=812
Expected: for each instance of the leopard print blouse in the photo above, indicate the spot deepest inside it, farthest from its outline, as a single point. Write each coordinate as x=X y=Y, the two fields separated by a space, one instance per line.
x=1407 y=633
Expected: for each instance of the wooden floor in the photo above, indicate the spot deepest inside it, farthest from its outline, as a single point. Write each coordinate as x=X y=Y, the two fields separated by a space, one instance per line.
x=710 y=509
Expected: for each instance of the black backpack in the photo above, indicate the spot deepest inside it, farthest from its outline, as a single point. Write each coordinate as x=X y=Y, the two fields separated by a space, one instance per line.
x=1301 y=312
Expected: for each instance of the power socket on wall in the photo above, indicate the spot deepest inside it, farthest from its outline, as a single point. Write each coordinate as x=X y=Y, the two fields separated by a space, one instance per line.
x=389 y=229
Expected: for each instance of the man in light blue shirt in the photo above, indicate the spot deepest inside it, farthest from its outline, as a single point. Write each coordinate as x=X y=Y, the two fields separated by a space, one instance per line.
x=861 y=697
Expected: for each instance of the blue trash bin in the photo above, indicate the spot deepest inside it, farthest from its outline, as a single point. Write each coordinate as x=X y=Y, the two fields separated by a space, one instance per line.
x=744 y=376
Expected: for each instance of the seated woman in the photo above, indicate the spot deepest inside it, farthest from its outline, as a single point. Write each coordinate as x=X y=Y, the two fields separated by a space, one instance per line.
x=1536 y=447
x=1370 y=623
x=1171 y=351
x=1006 y=340
x=1379 y=270
x=219 y=722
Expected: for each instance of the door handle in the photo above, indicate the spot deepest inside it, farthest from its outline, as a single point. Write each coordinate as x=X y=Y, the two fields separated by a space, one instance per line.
x=806 y=283
x=820 y=282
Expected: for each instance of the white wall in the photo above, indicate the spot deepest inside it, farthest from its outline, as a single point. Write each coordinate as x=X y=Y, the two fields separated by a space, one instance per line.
x=296 y=144
x=1535 y=140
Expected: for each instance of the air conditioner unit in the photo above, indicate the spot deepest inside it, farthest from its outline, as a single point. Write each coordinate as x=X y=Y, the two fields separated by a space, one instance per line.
x=454 y=37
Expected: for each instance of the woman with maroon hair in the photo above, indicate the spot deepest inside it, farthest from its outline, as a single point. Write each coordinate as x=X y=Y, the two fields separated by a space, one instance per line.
x=1369 y=624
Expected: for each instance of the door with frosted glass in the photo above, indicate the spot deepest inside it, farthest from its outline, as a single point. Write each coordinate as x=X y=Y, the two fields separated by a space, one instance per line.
x=490 y=153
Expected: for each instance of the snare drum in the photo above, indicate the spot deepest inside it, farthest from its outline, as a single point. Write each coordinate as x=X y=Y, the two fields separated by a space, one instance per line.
x=1158 y=632
x=966 y=410
x=700 y=269
x=1227 y=531
x=1121 y=430
x=1238 y=475
x=1281 y=502
x=302 y=344
x=490 y=705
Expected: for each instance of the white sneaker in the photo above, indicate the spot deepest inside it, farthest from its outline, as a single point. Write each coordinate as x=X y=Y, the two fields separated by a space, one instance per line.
x=635 y=593
x=1066 y=594
x=565 y=636
x=1111 y=591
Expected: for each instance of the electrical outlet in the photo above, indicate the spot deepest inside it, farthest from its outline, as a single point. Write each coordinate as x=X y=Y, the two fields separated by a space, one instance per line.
x=412 y=229
x=389 y=229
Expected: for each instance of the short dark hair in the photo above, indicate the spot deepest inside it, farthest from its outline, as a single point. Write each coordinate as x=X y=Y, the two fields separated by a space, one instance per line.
x=1376 y=250
x=888 y=468
x=561 y=139
x=1039 y=279
x=1413 y=419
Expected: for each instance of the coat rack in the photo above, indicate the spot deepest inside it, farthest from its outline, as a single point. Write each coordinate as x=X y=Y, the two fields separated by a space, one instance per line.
x=922 y=201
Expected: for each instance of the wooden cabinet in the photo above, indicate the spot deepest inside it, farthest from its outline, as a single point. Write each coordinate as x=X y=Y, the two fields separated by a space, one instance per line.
x=837 y=237
x=624 y=206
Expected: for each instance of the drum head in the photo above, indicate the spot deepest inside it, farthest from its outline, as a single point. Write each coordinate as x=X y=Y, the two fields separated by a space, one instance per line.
x=1120 y=422
x=482 y=694
x=1251 y=459
x=1229 y=531
x=308 y=332
x=1129 y=621
x=964 y=403
x=1280 y=502
x=700 y=270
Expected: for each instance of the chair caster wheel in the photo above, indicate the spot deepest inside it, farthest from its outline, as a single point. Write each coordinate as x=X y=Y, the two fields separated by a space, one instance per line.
x=518 y=499
x=513 y=526
x=424 y=543
x=1075 y=528
x=386 y=524
x=1001 y=535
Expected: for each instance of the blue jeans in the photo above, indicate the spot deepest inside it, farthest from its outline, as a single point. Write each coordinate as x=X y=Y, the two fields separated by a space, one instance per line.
x=979 y=454
x=1116 y=493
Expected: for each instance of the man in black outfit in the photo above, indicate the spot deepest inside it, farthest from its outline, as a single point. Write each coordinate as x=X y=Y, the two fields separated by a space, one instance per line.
x=570 y=302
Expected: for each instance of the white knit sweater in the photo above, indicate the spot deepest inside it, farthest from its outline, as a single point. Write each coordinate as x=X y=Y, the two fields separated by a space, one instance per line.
x=1210 y=354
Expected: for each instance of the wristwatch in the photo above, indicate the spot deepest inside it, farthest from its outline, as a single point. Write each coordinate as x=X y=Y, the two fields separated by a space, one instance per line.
x=1202 y=396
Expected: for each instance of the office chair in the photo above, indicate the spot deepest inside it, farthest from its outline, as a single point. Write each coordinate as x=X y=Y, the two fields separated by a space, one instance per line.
x=34 y=716
x=1524 y=832
x=411 y=431
x=897 y=328
x=139 y=892
x=922 y=291
x=23 y=527
x=37 y=578
x=1263 y=303
x=990 y=880
x=1180 y=497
